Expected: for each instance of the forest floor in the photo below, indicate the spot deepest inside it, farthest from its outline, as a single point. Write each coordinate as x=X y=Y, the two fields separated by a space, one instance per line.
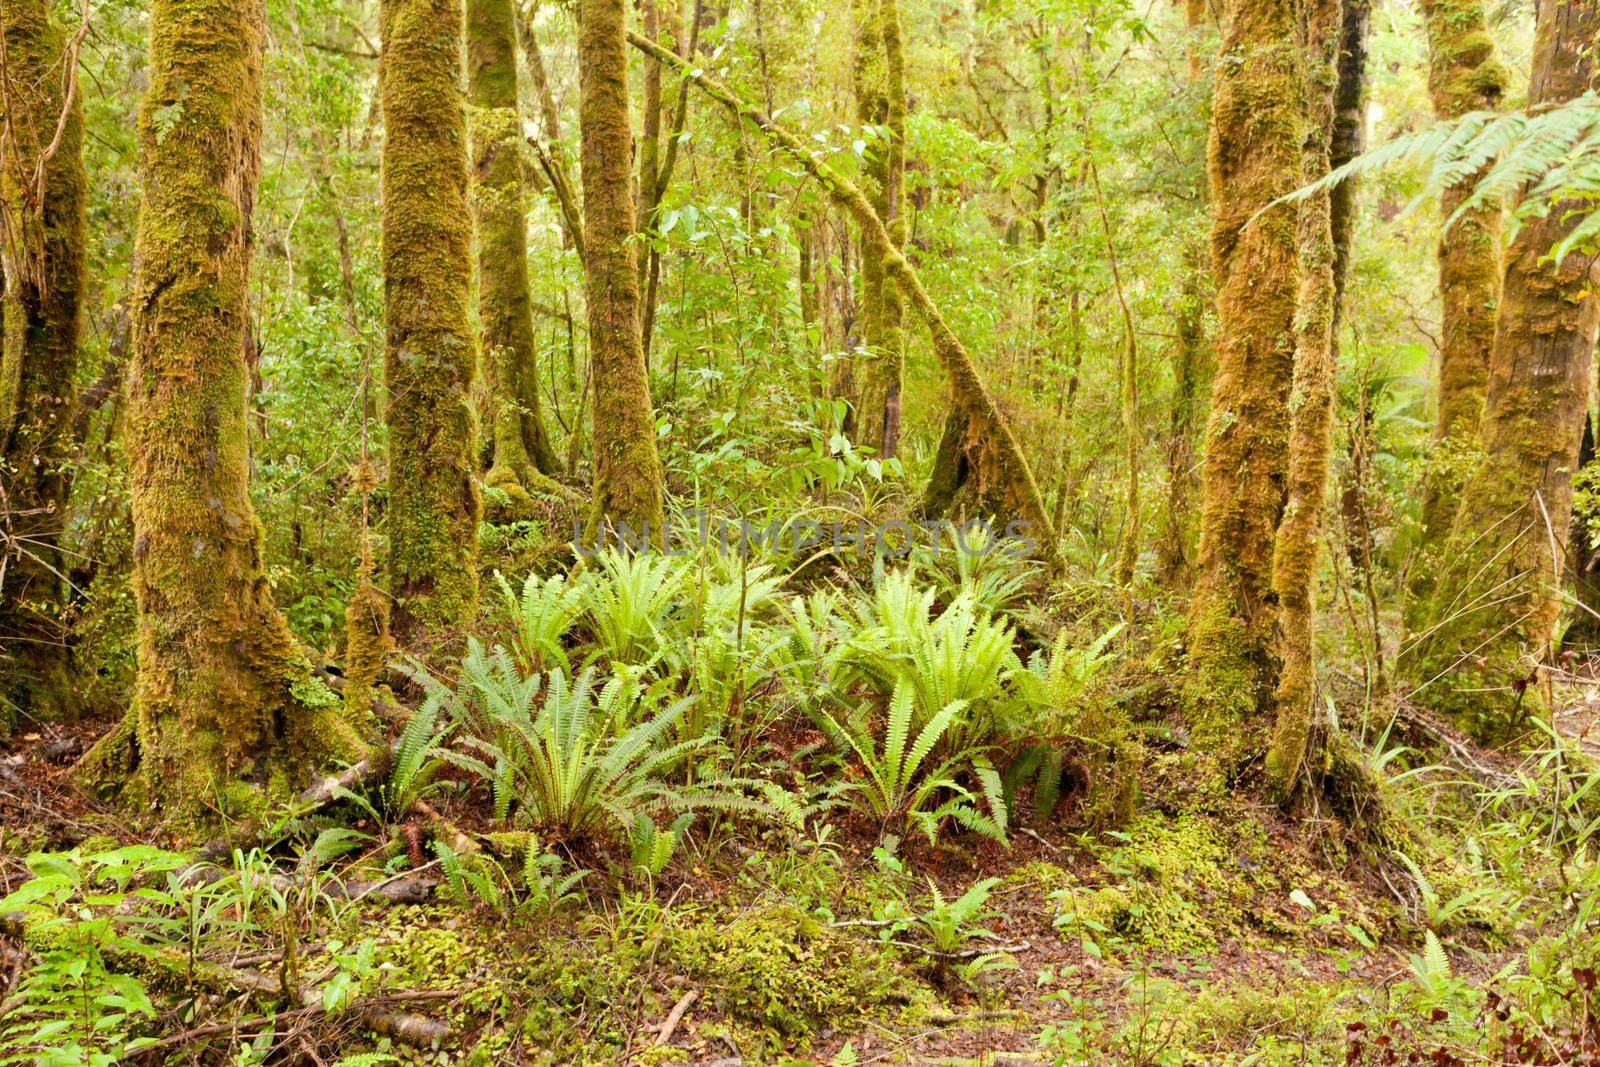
x=1207 y=931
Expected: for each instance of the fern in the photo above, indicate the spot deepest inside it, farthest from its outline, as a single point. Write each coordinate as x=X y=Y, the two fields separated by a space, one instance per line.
x=1546 y=158
x=903 y=784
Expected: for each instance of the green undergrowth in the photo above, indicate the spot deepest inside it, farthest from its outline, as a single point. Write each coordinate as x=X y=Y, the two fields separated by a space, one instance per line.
x=1188 y=884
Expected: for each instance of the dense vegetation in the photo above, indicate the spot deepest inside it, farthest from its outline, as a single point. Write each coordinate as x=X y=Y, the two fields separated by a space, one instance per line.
x=838 y=531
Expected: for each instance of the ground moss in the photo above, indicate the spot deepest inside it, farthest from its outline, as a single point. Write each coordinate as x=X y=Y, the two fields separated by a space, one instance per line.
x=786 y=973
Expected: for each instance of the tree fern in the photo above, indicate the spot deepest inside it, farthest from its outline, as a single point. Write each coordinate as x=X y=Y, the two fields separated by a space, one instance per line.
x=1549 y=155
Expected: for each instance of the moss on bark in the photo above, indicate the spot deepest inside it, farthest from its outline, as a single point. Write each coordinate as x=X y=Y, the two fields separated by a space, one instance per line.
x=1464 y=74
x=879 y=79
x=1488 y=619
x=367 y=642
x=225 y=699
x=505 y=315
x=1254 y=157
x=42 y=247
x=627 y=479
x=1298 y=542
x=428 y=348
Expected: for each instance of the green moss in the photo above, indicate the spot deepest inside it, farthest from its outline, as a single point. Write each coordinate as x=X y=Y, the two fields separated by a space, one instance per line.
x=785 y=972
x=429 y=354
x=504 y=313
x=45 y=232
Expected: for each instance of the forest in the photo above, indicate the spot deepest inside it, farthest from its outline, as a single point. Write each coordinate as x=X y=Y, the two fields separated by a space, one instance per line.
x=799 y=532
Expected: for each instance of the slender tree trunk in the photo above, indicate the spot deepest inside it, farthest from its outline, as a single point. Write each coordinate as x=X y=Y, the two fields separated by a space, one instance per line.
x=510 y=348
x=1257 y=123
x=1298 y=542
x=223 y=691
x=1464 y=74
x=687 y=46
x=1496 y=601
x=42 y=198
x=552 y=156
x=428 y=351
x=881 y=102
x=1174 y=553
x=627 y=485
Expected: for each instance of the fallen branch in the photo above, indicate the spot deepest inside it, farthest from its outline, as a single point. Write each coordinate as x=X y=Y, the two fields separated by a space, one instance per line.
x=675 y=1016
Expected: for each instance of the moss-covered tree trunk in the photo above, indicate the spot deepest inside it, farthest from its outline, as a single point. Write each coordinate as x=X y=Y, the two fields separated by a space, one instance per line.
x=1174 y=551
x=1464 y=74
x=505 y=316
x=1298 y=542
x=428 y=346
x=1254 y=157
x=1492 y=610
x=627 y=480
x=879 y=77
x=42 y=197
x=224 y=694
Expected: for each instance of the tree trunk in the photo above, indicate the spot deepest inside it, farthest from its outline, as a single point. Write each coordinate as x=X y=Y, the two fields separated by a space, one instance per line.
x=1298 y=542
x=428 y=346
x=881 y=102
x=1257 y=122
x=1496 y=600
x=42 y=198
x=1464 y=74
x=504 y=315
x=627 y=482
x=223 y=691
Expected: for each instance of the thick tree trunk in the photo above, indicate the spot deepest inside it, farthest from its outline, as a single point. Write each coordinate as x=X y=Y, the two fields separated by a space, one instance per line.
x=504 y=315
x=1464 y=74
x=1298 y=543
x=223 y=691
x=627 y=482
x=428 y=347
x=1493 y=608
x=1257 y=123
x=881 y=102
x=42 y=198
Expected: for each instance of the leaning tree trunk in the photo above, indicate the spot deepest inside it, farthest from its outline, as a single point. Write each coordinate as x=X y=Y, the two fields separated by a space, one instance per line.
x=1464 y=74
x=1298 y=542
x=224 y=693
x=42 y=197
x=428 y=346
x=627 y=479
x=984 y=424
x=1493 y=608
x=1257 y=123
x=881 y=102
x=504 y=313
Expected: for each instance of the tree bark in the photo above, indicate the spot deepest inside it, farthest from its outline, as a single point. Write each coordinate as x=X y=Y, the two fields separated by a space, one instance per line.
x=428 y=347
x=223 y=692
x=42 y=223
x=1298 y=542
x=627 y=482
x=1464 y=74
x=1495 y=603
x=1254 y=154
x=505 y=316
x=879 y=75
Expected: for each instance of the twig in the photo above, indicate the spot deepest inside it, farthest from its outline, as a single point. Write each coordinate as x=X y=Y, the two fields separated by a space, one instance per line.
x=675 y=1016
